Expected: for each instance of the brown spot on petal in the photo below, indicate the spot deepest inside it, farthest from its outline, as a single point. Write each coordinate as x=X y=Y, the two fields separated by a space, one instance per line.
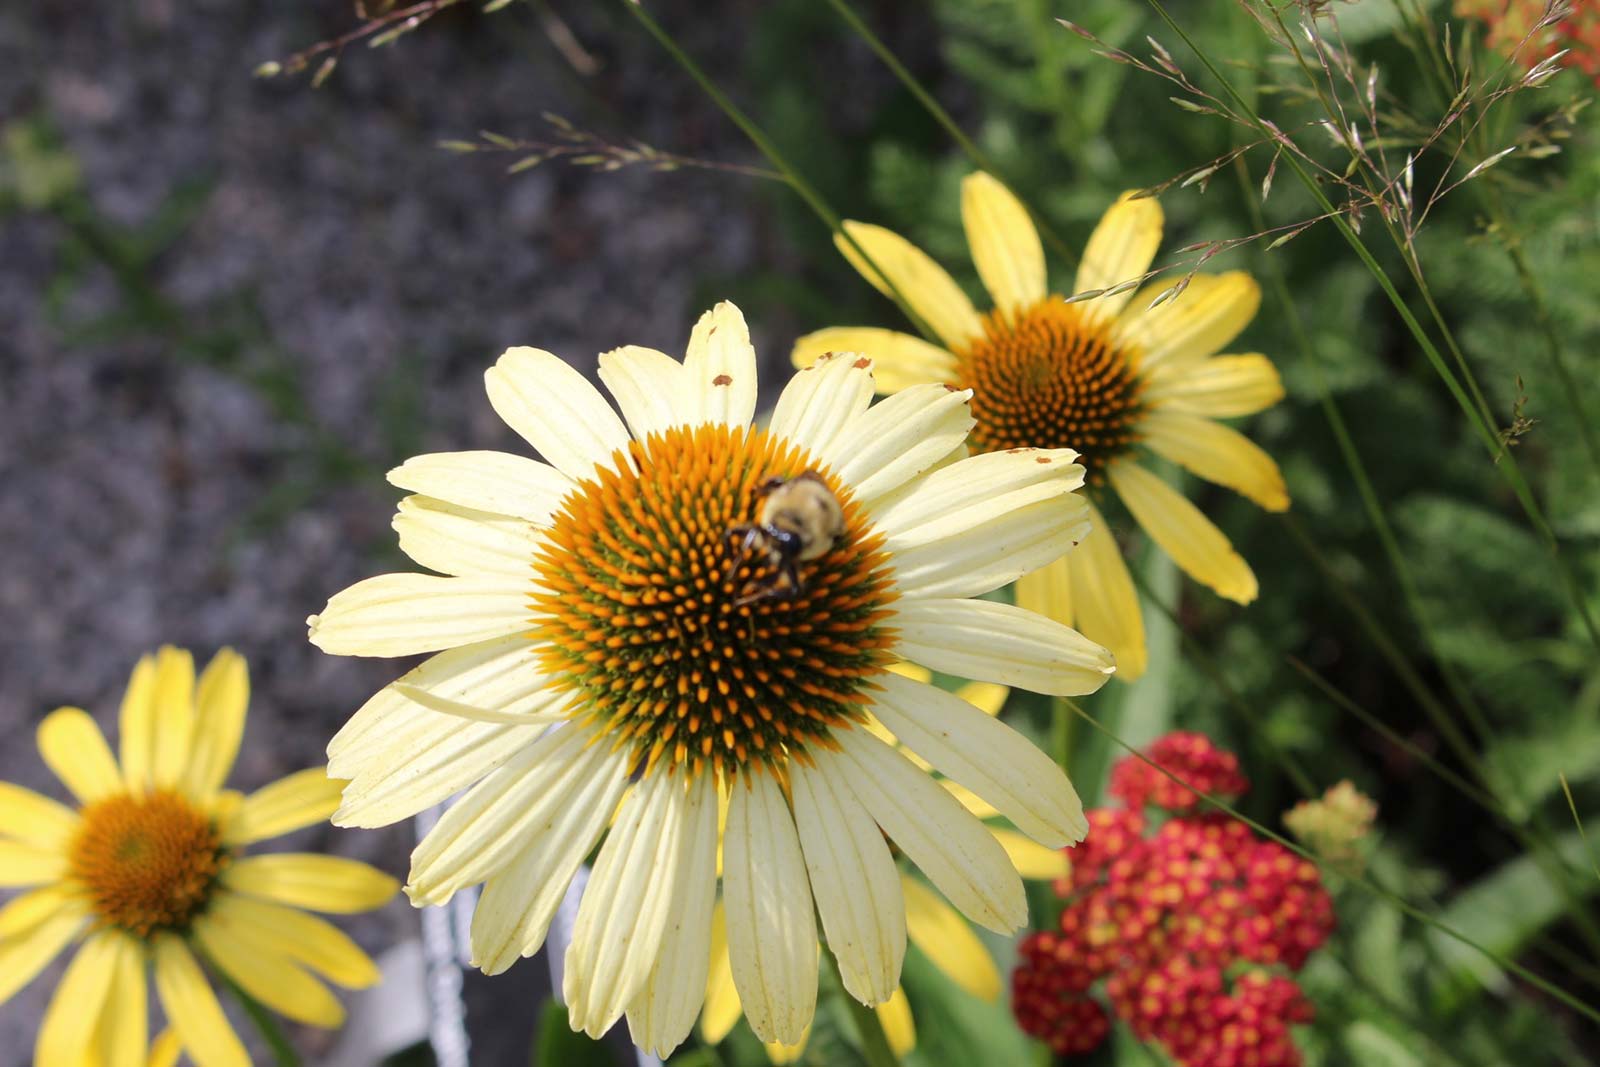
x=862 y=364
x=1042 y=459
x=722 y=379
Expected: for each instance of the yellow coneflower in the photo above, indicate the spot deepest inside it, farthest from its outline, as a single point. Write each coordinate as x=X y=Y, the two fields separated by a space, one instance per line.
x=150 y=871
x=937 y=929
x=621 y=593
x=1104 y=376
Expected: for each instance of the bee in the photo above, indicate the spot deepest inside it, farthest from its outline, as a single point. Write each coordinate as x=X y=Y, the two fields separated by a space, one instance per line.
x=800 y=520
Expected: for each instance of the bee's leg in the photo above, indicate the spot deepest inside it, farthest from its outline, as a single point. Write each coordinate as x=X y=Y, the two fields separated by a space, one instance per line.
x=788 y=585
x=769 y=484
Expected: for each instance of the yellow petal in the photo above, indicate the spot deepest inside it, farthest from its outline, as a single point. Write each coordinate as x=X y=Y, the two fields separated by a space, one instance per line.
x=269 y=977
x=924 y=285
x=1120 y=250
x=1105 y=600
x=192 y=1009
x=899 y=360
x=785 y=1054
x=1217 y=454
x=305 y=939
x=301 y=799
x=165 y=1049
x=220 y=701
x=124 y=1023
x=945 y=938
x=1048 y=592
x=1191 y=539
x=1032 y=859
x=722 y=1008
x=75 y=749
x=69 y=1022
x=28 y=910
x=895 y=1015
x=1222 y=387
x=1188 y=327
x=136 y=724
x=305 y=880
x=979 y=807
x=988 y=696
x=37 y=820
x=1005 y=246
x=172 y=721
x=23 y=865
x=47 y=931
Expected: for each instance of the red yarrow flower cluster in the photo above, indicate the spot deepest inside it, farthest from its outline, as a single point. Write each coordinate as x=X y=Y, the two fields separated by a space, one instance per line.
x=1189 y=927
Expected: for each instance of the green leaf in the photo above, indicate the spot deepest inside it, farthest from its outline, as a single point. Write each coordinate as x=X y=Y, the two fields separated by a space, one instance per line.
x=558 y=1044
x=955 y=1027
x=1501 y=911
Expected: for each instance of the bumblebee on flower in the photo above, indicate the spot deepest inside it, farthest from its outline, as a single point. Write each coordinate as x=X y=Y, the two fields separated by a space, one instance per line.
x=1106 y=376
x=677 y=607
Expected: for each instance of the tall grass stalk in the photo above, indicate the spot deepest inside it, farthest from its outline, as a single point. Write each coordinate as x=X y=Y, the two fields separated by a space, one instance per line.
x=1499 y=454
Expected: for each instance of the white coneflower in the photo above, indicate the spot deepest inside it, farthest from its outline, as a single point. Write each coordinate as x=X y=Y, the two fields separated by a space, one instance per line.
x=625 y=591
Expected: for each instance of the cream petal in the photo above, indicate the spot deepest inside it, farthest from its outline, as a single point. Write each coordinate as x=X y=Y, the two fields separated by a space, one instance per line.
x=853 y=879
x=991 y=544
x=977 y=481
x=663 y=1013
x=821 y=402
x=986 y=756
x=75 y=749
x=500 y=675
x=221 y=699
x=1217 y=454
x=898 y=439
x=772 y=931
x=1119 y=251
x=1191 y=539
x=1103 y=595
x=487 y=481
x=892 y=264
x=994 y=642
x=720 y=369
x=1197 y=322
x=473 y=713
x=404 y=614
x=627 y=904
x=406 y=780
x=650 y=387
x=518 y=902
x=460 y=541
x=1222 y=387
x=556 y=410
x=192 y=1009
x=69 y=1022
x=942 y=935
x=899 y=360
x=1005 y=246
x=497 y=818
x=952 y=848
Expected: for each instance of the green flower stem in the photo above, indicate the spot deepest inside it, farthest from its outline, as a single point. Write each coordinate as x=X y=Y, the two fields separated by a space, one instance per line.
x=942 y=117
x=1366 y=883
x=874 y=1040
x=1506 y=463
x=764 y=144
x=265 y=1023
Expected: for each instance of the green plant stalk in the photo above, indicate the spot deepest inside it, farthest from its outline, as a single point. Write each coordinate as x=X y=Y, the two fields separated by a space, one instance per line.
x=1500 y=217
x=874 y=1041
x=1405 y=906
x=1510 y=469
x=763 y=144
x=282 y=1051
x=942 y=117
